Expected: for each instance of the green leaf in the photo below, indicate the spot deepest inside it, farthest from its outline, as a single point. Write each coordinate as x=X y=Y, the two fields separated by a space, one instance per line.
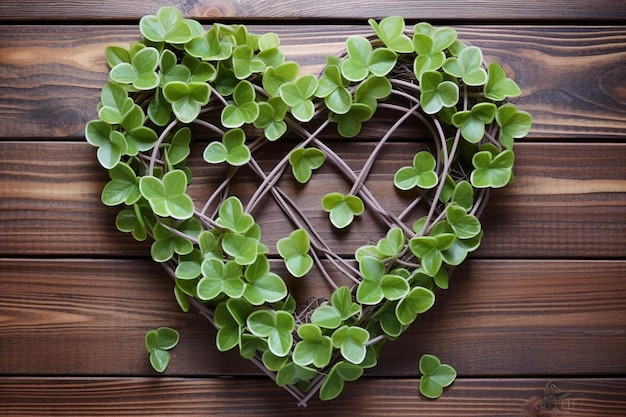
x=294 y=250
x=467 y=66
x=262 y=285
x=421 y=174
x=428 y=250
x=219 y=277
x=111 y=143
x=298 y=95
x=123 y=187
x=498 y=86
x=244 y=110
x=232 y=216
x=167 y=196
x=271 y=118
x=274 y=77
x=514 y=124
x=492 y=171
x=342 y=208
x=326 y=316
x=244 y=249
x=179 y=149
x=158 y=342
x=115 y=104
x=313 y=348
x=349 y=124
x=159 y=359
x=167 y=26
x=436 y=93
x=303 y=161
x=372 y=89
x=232 y=149
x=332 y=88
x=363 y=60
x=334 y=382
x=464 y=225
x=435 y=376
x=390 y=30
x=186 y=99
x=276 y=326
x=377 y=284
x=209 y=46
x=418 y=301
x=291 y=374
x=116 y=55
x=472 y=122
x=350 y=340
x=140 y=72
x=342 y=302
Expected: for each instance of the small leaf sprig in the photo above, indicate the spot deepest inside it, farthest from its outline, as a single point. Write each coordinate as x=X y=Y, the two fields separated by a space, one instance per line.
x=181 y=75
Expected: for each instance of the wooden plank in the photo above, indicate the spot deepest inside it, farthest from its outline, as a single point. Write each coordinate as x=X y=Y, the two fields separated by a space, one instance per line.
x=568 y=201
x=504 y=10
x=499 y=318
x=573 y=397
x=570 y=76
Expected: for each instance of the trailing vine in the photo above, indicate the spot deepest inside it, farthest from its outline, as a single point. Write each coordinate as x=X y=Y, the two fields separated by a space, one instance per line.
x=238 y=87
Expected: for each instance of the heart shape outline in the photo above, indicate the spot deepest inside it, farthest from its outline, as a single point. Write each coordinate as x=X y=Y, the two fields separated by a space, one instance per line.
x=400 y=271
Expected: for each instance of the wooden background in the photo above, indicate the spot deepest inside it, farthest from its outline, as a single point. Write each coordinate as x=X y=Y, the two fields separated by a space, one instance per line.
x=541 y=304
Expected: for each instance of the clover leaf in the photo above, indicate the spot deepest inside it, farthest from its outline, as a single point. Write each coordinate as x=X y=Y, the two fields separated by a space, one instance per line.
x=392 y=244
x=111 y=143
x=294 y=250
x=514 y=124
x=140 y=72
x=219 y=277
x=363 y=60
x=292 y=373
x=276 y=326
x=498 y=86
x=372 y=89
x=115 y=104
x=166 y=243
x=245 y=63
x=437 y=93
x=418 y=301
x=232 y=216
x=492 y=169
x=167 y=196
x=390 y=31
x=231 y=149
x=210 y=46
x=262 y=285
x=429 y=45
x=200 y=71
x=132 y=221
x=303 y=161
x=467 y=66
x=313 y=348
x=274 y=77
x=435 y=376
x=472 y=122
x=178 y=149
x=167 y=26
x=228 y=329
x=340 y=372
x=158 y=342
x=271 y=118
x=377 y=284
x=342 y=208
x=242 y=247
x=332 y=88
x=186 y=98
x=244 y=109
x=457 y=252
x=350 y=340
x=428 y=250
x=464 y=225
x=342 y=308
x=138 y=137
x=422 y=174
x=159 y=110
x=349 y=124
x=171 y=70
x=298 y=95
x=123 y=187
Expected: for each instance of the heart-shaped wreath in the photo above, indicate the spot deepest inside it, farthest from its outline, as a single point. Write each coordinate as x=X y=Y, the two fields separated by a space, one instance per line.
x=236 y=89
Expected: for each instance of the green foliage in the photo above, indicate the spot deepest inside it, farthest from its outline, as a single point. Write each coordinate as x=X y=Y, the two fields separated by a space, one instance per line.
x=237 y=86
x=435 y=376
x=158 y=343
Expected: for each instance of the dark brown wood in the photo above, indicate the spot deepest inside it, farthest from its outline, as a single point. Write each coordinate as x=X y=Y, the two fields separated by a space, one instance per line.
x=499 y=318
x=569 y=200
x=507 y=10
x=570 y=76
x=370 y=397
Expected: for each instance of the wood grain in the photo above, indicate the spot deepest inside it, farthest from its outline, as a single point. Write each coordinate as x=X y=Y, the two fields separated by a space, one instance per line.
x=371 y=397
x=568 y=201
x=503 y=10
x=570 y=76
x=499 y=318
